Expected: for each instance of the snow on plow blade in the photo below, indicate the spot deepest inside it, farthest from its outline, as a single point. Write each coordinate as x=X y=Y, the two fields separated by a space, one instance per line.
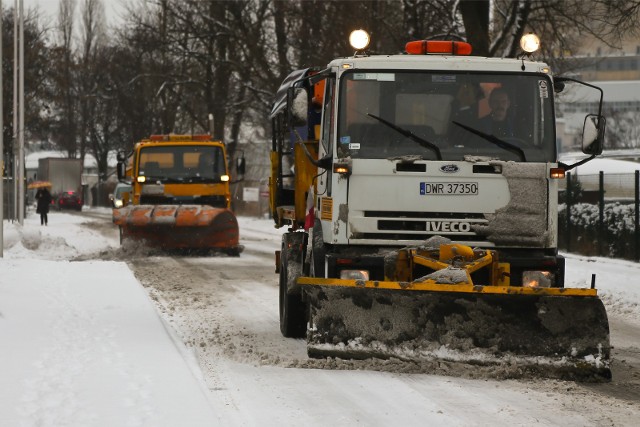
x=556 y=332
x=180 y=226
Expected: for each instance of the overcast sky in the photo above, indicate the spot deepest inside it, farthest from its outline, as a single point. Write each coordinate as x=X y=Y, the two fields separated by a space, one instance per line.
x=50 y=7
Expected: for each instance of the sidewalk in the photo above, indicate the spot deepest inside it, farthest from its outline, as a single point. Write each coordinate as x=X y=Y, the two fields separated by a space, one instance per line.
x=82 y=345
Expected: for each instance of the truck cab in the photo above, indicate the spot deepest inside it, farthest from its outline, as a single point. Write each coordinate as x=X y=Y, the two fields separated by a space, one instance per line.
x=181 y=169
x=420 y=145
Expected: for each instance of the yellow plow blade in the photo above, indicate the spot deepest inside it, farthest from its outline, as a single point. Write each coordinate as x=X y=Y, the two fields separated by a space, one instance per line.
x=556 y=332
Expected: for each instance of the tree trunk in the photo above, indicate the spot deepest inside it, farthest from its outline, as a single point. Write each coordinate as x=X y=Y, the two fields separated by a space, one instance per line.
x=475 y=16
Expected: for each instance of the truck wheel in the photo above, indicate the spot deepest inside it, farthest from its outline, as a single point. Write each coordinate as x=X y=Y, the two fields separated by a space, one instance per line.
x=233 y=252
x=293 y=319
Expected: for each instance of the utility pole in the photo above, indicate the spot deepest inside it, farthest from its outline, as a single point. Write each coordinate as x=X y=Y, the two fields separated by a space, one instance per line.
x=1 y=146
x=14 y=139
x=21 y=191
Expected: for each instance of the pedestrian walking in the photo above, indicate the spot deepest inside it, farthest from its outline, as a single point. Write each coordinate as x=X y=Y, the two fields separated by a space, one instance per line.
x=44 y=200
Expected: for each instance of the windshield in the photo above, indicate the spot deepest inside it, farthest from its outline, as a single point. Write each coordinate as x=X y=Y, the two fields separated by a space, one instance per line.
x=120 y=190
x=170 y=163
x=446 y=116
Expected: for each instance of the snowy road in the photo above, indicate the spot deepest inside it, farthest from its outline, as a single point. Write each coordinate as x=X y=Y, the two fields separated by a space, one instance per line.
x=226 y=309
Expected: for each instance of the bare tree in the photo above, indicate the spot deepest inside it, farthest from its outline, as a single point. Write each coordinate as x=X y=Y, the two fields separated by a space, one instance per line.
x=104 y=132
x=178 y=61
x=560 y=23
x=37 y=78
x=67 y=129
x=91 y=38
x=623 y=129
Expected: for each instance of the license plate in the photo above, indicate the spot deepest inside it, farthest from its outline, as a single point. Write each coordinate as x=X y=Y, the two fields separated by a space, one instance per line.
x=448 y=188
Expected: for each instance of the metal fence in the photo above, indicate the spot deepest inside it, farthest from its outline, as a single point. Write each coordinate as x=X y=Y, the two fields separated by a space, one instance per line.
x=599 y=215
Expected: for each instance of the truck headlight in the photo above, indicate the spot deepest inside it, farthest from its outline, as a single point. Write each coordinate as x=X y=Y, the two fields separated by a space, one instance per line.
x=537 y=279
x=117 y=203
x=354 y=274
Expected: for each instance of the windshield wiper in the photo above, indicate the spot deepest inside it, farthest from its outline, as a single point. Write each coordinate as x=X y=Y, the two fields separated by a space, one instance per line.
x=196 y=178
x=423 y=142
x=494 y=140
x=208 y=179
x=163 y=179
x=156 y=178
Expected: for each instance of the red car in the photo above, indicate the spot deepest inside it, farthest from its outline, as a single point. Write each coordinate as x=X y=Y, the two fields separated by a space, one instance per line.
x=70 y=200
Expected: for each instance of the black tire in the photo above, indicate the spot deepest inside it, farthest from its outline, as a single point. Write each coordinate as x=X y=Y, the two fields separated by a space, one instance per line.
x=234 y=252
x=293 y=313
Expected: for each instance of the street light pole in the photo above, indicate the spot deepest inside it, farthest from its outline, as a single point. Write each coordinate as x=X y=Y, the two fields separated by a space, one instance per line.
x=21 y=122
x=14 y=147
x=1 y=146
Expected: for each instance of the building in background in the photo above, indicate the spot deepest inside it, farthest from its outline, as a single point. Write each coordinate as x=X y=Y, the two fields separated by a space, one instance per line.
x=617 y=72
x=92 y=184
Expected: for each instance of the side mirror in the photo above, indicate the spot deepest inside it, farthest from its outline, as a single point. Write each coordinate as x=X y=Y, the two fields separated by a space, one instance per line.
x=240 y=166
x=121 y=168
x=593 y=134
x=558 y=86
x=298 y=103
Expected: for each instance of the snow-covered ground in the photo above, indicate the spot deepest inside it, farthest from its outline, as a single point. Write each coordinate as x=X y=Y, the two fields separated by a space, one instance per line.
x=84 y=345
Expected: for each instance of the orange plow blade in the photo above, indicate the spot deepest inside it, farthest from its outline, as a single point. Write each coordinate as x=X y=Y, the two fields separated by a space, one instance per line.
x=180 y=227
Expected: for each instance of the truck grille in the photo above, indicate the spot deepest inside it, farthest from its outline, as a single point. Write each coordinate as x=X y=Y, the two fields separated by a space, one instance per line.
x=215 y=201
x=439 y=215
x=416 y=226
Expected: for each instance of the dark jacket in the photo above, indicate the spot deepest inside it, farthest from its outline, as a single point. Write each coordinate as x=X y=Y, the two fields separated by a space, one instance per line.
x=44 y=200
x=500 y=129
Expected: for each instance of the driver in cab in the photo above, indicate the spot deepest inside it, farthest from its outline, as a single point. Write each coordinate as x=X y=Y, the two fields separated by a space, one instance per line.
x=498 y=122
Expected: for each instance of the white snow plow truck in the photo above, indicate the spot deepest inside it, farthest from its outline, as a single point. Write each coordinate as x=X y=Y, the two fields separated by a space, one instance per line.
x=420 y=192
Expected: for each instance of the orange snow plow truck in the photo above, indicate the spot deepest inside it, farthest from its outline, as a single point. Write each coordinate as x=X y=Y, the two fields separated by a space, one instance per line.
x=180 y=197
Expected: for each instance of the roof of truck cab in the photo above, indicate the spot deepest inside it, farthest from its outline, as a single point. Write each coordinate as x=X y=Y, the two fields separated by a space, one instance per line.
x=189 y=143
x=440 y=62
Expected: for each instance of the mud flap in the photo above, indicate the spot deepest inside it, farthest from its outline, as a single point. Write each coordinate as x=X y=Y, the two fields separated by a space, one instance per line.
x=293 y=319
x=566 y=333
